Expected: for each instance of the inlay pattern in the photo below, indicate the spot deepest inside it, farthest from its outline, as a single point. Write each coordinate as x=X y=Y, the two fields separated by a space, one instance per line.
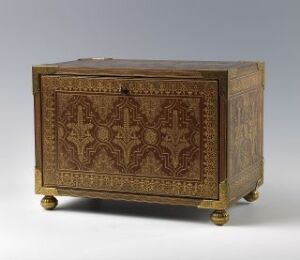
x=175 y=139
x=105 y=139
x=80 y=133
x=245 y=136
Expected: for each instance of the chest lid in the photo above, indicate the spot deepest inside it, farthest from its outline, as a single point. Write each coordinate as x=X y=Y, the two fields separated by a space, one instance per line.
x=152 y=68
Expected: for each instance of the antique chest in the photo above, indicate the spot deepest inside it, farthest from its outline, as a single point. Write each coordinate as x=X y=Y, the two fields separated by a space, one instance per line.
x=172 y=132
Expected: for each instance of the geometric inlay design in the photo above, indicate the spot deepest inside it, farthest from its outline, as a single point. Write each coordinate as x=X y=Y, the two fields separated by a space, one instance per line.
x=159 y=139
x=245 y=136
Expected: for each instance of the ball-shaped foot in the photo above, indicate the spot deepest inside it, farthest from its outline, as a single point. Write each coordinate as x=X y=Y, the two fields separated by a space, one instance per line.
x=49 y=202
x=252 y=196
x=219 y=217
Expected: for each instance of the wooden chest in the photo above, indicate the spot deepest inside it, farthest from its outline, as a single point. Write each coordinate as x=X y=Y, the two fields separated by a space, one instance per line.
x=172 y=132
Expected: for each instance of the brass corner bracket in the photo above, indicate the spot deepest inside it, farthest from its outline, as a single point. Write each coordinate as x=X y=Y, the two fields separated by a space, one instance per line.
x=259 y=182
x=261 y=67
x=221 y=203
x=37 y=71
x=39 y=189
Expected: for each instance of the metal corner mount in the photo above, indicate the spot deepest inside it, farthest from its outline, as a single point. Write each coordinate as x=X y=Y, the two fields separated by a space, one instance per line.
x=37 y=71
x=259 y=182
x=261 y=67
x=221 y=203
x=39 y=189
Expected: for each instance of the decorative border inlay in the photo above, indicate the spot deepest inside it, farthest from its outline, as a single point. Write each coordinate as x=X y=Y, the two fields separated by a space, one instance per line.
x=181 y=88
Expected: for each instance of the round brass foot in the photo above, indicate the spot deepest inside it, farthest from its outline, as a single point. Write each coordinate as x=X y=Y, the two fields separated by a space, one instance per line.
x=49 y=202
x=252 y=196
x=219 y=217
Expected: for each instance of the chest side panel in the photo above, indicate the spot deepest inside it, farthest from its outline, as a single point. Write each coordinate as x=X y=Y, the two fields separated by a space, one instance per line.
x=161 y=138
x=245 y=134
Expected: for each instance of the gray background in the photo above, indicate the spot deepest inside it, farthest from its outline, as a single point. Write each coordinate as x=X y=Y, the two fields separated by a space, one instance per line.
x=35 y=32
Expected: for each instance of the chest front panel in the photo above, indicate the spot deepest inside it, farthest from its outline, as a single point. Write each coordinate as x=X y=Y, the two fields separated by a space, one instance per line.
x=160 y=138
